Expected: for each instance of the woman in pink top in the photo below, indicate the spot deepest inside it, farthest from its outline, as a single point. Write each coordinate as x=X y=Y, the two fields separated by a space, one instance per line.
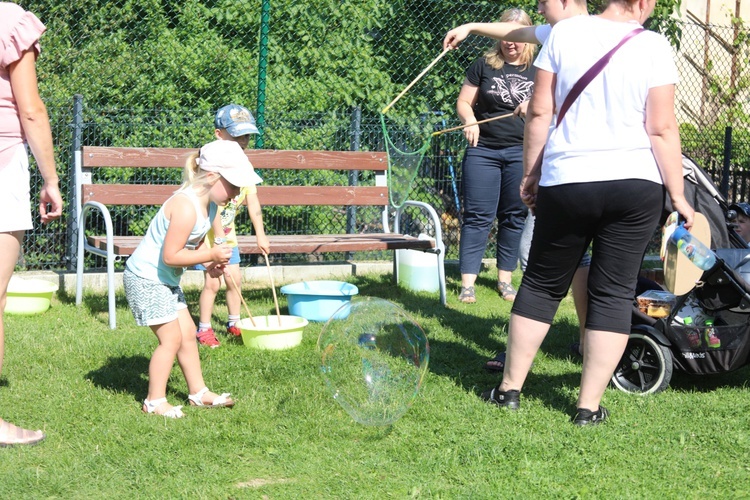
x=23 y=120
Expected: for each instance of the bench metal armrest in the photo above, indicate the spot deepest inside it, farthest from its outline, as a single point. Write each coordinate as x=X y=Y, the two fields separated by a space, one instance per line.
x=431 y=214
x=83 y=245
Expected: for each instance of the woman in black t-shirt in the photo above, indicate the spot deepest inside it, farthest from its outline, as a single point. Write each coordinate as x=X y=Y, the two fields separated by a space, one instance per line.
x=496 y=84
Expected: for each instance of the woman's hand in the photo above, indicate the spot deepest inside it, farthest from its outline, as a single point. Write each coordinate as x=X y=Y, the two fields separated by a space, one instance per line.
x=472 y=134
x=529 y=188
x=50 y=195
x=684 y=209
x=455 y=36
x=520 y=110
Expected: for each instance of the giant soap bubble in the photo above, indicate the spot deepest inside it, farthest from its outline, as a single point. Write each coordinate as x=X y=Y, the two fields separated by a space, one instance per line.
x=374 y=360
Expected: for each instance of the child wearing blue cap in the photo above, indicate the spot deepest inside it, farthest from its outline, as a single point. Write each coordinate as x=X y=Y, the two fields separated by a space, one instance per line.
x=742 y=224
x=232 y=123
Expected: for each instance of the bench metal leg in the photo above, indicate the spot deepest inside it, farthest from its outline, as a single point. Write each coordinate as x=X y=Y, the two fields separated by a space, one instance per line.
x=111 y=289
x=109 y=254
x=79 y=266
x=441 y=276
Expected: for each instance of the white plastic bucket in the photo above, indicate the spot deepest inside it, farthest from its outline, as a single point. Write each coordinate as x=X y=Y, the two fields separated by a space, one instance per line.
x=417 y=271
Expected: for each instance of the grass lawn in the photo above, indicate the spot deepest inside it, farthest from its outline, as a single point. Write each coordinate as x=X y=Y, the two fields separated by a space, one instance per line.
x=67 y=373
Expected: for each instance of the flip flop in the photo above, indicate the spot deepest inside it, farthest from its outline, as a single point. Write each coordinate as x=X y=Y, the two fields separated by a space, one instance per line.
x=496 y=364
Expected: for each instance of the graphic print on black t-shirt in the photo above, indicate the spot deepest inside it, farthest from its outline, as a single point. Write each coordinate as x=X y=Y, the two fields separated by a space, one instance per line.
x=511 y=89
x=500 y=92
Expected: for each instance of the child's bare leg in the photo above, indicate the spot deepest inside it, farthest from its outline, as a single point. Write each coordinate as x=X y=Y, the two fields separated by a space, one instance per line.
x=162 y=361
x=208 y=298
x=233 y=293
x=188 y=358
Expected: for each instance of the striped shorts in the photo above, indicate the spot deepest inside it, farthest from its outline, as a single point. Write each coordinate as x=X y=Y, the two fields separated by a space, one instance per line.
x=152 y=302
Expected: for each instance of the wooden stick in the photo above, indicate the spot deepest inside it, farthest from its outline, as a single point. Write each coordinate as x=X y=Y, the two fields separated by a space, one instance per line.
x=433 y=63
x=273 y=288
x=470 y=124
x=247 y=309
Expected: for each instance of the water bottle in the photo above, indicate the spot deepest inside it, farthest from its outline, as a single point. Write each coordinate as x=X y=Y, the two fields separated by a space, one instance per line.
x=698 y=253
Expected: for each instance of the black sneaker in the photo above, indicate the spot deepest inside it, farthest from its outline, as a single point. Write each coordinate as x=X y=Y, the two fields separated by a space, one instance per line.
x=508 y=399
x=584 y=416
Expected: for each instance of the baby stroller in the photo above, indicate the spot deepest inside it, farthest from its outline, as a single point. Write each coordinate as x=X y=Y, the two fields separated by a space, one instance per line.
x=658 y=347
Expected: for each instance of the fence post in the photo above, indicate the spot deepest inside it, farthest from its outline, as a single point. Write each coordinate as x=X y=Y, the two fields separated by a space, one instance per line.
x=73 y=201
x=356 y=137
x=265 y=17
x=727 y=162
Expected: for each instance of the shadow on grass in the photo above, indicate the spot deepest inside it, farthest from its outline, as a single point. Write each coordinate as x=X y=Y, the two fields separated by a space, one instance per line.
x=443 y=355
x=94 y=302
x=97 y=303
x=464 y=364
x=707 y=383
x=123 y=374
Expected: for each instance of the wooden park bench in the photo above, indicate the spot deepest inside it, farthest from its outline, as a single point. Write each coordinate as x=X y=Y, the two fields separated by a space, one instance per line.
x=97 y=196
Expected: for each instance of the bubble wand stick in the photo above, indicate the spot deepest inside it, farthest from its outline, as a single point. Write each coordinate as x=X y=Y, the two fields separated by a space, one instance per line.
x=424 y=71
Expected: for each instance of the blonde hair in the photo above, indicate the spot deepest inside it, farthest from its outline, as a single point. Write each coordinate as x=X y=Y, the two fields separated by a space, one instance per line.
x=195 y=177
x=495 y=56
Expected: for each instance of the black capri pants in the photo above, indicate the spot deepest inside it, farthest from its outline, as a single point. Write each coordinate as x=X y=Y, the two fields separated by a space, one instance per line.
x=618 y=218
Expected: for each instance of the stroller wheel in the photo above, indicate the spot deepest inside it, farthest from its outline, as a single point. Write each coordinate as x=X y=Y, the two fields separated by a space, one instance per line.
x=645 y=368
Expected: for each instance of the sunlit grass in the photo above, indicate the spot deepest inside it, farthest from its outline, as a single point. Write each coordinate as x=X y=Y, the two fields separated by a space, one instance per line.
x=68 y=374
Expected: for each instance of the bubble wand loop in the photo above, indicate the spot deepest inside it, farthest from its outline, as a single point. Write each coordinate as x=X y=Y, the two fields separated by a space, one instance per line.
x=508 y=115
x=424 y=71
x=273 y=288
x=239 y=292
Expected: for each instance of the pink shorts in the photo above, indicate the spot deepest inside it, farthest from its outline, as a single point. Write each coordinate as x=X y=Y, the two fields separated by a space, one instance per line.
x=15 y=199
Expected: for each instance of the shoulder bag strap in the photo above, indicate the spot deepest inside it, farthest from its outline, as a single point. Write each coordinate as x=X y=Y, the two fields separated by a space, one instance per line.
x=590 y=75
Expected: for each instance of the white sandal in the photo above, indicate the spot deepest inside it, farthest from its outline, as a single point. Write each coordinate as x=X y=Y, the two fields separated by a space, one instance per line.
x=151 y=406
x=221 y=401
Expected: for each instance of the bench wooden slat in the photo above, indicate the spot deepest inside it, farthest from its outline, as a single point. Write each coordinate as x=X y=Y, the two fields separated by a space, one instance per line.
x=152 y=194
x=322 y=243
x=97 y=156
x=126 y=245
x=373 y=196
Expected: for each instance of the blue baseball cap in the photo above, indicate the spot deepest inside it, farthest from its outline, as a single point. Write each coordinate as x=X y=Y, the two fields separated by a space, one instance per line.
x=741 y=208
x=236 y=120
